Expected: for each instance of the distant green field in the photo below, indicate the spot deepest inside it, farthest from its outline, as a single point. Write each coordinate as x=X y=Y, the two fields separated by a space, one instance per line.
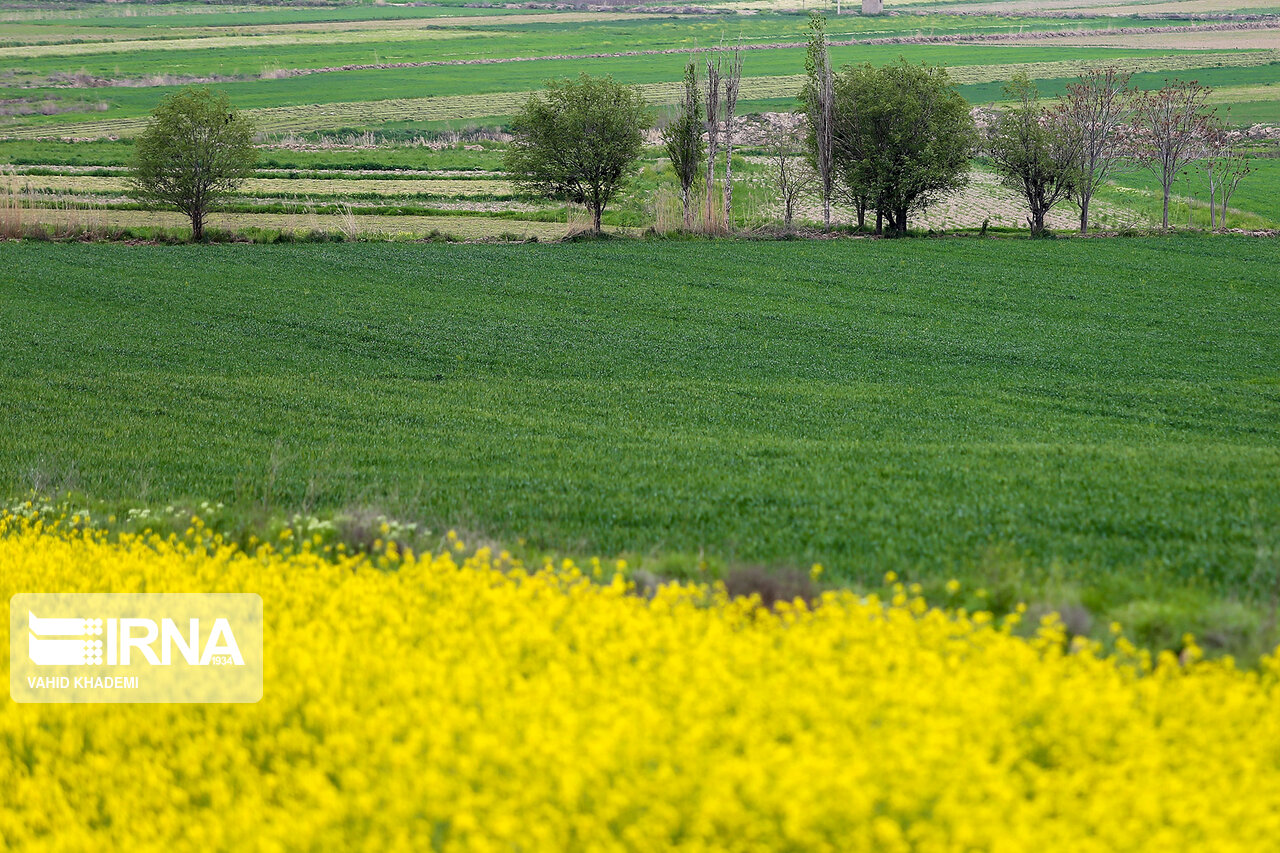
x=145 y=45
x=1105 y=414
x=978 y=93
x=1258 y=192
x=149 y=51
x=453 y=80
x=1255 y=112
x=119 y=153
x=279 y=15
x=485 y=93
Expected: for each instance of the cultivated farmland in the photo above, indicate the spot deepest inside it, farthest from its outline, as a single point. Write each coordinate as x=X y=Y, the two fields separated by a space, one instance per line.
x=706 y=532
x=703 y=412
x=322 y=75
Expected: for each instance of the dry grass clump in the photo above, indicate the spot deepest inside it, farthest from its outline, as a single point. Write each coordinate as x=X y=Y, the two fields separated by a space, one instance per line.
x=25 y=213
x=772 y=586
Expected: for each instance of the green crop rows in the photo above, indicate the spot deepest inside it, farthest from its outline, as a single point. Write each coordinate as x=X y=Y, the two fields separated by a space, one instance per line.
x=464 y=107
x=1104 y=413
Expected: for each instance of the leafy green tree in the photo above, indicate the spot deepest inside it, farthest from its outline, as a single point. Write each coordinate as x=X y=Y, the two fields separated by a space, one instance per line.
x=854 y=179
x=1036 y=154
x=683 y=140
x=909 y=137
x=579 y=141
x=196 y=149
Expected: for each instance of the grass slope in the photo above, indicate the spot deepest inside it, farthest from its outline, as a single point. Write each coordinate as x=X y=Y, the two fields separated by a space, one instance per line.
x=1105 y=411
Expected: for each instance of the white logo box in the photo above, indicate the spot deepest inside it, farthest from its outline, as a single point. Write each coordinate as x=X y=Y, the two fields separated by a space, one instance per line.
x=135 y=647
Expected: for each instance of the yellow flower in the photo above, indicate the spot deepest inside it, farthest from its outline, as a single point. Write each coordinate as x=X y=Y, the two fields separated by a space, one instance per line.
x=463 y=702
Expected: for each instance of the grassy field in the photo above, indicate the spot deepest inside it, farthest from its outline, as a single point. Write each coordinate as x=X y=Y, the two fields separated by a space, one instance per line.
x=1086 y=420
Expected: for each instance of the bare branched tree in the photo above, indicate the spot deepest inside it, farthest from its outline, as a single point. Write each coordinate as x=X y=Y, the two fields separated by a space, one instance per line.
x=1172 y=124
x=792 y=174
x=819 y=97
x=1096 y=108
x=732 y=86
x=715 y=68
x=1225 y=166
x=1214 y=139
x=1235 y=167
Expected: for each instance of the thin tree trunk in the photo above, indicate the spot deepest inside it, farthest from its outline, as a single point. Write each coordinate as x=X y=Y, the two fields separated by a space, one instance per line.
x=728 y=173
x=714 y=70
x=197 y=226
x=822 y=117
x=732 y=86
x=1165 y=220
x=596 y=211
x=1084 y=215
x=1213 y=199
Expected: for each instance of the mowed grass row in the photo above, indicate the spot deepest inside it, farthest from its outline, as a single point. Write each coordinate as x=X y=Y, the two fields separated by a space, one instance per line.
x=556 y=30
x=144 y=16
x=118 y=154
x=442 y=222
x=327 y=187
x=220 y=50
x=1096 y=415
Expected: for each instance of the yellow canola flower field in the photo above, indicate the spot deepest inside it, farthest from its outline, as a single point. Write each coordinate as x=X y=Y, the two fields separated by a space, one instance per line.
x=465 y=703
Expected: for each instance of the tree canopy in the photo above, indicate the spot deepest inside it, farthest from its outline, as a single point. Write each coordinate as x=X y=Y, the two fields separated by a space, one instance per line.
x=903 y=137
x=1036 y=152
x=196 y=149
x=578 y=141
